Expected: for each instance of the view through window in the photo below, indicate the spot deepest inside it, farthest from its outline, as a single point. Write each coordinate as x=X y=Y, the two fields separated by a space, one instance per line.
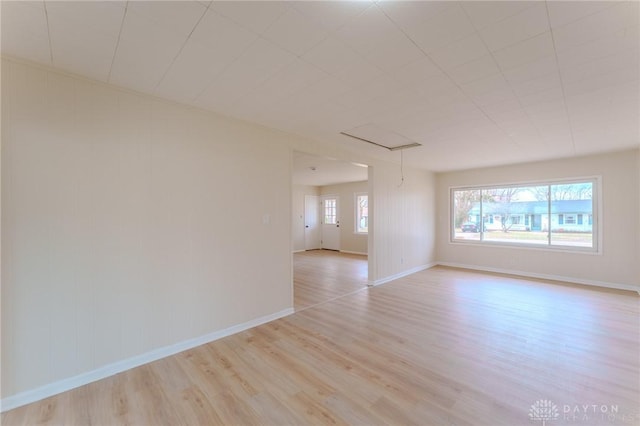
x=362 y=213
x=554 y=214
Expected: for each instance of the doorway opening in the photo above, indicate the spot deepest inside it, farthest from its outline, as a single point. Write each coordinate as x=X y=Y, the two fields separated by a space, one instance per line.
x=330 y=229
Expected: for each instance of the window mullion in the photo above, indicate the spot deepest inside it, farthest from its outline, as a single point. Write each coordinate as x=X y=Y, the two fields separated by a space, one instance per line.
x=549 y=215
x=481 y=218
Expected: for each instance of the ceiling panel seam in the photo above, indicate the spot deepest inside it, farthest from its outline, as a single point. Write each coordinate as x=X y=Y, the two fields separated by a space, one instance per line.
x=115 y=50
x=493 y=58
x=564 y=93
x=175 y=58
x=244 y=51
x=447 y=74
x=46 y=16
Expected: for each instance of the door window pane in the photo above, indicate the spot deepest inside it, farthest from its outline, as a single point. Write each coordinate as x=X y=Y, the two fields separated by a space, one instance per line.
x=330 y=217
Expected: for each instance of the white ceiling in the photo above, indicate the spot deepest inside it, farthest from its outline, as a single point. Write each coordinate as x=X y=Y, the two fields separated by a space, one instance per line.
x=476 y=83
x=319 y=171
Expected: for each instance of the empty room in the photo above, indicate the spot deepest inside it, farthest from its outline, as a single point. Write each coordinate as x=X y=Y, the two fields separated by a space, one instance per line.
x=320 y=212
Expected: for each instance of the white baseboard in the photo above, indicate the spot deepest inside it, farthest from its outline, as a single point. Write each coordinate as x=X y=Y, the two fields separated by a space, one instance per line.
x=402 y=274
x=353 y=252
x=572 y=280
x=64 y=385
x=298 y=251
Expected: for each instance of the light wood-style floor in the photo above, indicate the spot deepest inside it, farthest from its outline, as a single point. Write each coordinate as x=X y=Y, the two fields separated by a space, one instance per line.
x=322 y=275
x=439 y=347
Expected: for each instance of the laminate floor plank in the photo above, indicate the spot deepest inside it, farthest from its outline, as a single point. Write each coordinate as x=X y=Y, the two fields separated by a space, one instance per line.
x=322 y=275
x=443 y=346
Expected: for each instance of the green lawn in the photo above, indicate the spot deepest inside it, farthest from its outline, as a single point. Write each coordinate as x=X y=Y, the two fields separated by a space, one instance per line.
x=533 y=237
x=516 y=235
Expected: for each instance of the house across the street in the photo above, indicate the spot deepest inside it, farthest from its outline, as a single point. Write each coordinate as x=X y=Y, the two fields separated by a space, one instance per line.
x=566 y=216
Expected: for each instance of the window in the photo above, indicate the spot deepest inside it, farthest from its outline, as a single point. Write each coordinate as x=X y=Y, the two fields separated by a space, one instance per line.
x=555 y=214
x=362 y=213
x=330 y=210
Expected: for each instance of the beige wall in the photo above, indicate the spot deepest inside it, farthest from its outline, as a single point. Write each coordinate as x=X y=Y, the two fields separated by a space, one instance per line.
x=297 y=215
x=349 y=240
x=618 y=263
x=131 y=224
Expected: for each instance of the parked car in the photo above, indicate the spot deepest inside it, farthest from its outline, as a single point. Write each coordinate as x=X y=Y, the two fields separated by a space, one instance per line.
x=469 y=227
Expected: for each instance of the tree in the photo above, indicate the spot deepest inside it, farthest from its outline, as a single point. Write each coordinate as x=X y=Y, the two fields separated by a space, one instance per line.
x=571 y=191
x=501 y=199
x=464 y=201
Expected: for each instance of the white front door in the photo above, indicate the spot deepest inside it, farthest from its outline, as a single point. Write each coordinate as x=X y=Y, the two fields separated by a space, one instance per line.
x=330 y=223
x=311 y=222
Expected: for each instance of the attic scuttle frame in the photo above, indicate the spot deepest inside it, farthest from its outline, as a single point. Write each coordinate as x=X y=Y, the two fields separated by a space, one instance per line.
x=400 y=148
x=390 y=148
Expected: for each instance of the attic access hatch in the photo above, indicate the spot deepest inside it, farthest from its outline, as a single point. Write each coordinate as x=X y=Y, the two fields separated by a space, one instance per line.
x=374 y=135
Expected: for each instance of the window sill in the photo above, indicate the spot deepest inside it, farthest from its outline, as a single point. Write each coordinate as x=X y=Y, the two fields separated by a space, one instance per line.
x=537 y=247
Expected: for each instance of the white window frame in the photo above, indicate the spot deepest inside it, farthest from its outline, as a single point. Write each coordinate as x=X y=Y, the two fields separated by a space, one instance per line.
x=357 y=228
x=596 y=215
